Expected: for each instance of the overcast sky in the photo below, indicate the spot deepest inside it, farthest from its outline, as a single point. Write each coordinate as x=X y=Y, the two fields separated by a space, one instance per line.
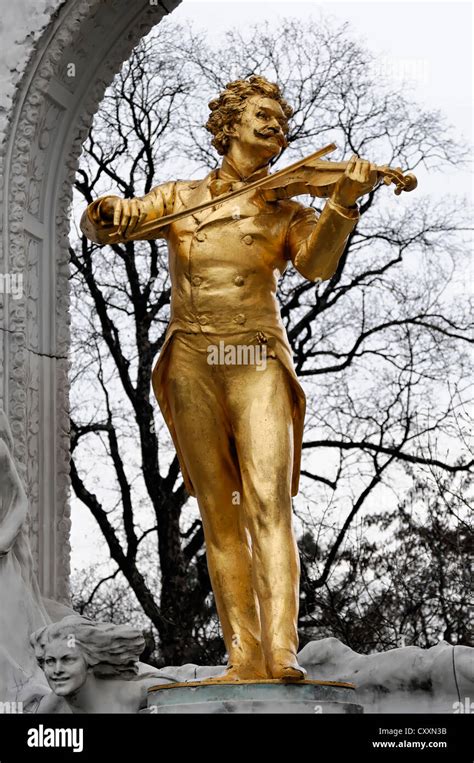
x=427 y=43
x=432 y=41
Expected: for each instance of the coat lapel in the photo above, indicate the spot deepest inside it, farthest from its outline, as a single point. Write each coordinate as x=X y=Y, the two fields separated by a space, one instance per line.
x=247 y=205
x=194 y=194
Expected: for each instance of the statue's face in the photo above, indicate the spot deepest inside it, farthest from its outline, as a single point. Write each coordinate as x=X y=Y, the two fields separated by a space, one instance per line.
x=65 y=668
x=262 y=127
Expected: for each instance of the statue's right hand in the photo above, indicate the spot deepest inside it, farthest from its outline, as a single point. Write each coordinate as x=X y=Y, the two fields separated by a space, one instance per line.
x=107 y=208
x=125 y=214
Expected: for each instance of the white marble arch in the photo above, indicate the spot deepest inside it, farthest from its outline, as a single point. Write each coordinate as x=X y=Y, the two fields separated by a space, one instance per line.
x=51 y=115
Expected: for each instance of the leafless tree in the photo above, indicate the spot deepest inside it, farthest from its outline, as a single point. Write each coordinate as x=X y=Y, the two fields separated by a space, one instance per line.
x=381 y=348
x=405 y=579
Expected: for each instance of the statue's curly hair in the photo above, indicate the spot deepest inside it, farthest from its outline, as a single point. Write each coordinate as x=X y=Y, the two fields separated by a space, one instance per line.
x=227 y=109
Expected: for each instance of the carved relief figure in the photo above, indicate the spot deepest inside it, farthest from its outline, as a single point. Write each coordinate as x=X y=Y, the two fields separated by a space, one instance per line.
x=94 y=666
x=21 y=607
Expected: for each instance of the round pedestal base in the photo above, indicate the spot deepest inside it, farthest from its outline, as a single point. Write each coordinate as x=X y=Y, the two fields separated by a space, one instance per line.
x=315 y=697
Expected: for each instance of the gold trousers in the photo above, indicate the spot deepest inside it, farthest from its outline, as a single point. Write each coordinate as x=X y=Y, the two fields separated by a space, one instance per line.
x=235 y=430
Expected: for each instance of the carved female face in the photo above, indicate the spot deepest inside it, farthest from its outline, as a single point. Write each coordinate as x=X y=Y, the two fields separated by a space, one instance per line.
x=65 y=667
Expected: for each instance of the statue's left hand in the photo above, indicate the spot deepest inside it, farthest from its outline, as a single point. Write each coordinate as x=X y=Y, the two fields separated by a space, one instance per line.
x=359 y=178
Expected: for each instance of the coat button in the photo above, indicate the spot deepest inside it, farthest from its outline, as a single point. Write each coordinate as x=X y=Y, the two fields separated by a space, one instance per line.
x=239 y=281
x=240 y=318
x=196 y=280
x=203 y=320
x=248 y=239
x=201 y=236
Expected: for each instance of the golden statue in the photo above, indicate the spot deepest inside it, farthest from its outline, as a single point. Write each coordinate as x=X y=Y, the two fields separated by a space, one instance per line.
x=238 y=433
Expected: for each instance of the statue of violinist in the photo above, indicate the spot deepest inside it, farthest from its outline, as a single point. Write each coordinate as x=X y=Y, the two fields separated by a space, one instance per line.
x=238 y=433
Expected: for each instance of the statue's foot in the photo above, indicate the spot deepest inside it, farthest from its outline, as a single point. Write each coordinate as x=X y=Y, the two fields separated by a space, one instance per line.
x=241 y=673
x=284 y=666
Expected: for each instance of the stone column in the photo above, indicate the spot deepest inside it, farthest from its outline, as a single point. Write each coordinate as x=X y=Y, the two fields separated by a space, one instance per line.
x=59 y=57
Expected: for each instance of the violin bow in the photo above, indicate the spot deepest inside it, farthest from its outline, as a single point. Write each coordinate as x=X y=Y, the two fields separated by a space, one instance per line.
x=388 y=175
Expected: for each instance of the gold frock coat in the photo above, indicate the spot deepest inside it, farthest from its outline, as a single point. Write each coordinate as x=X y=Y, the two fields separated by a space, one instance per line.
x=224 y=266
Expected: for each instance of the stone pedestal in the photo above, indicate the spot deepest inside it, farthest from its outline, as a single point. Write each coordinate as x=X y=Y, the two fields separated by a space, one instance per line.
x=314 y=697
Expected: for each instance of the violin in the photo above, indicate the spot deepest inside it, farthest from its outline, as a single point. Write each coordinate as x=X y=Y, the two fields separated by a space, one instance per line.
x=317 y=178
x=309 y=176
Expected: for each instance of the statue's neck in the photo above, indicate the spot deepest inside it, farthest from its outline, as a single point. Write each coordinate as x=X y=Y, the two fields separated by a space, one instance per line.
x=243 y=165
x=85 y=698
x=105 y=695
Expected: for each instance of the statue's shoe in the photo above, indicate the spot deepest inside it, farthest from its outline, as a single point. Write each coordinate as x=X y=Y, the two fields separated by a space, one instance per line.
x=284 y=666
x=241 y=673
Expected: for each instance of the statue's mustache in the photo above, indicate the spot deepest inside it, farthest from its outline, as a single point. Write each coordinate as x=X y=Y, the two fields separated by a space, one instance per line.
x=272 y=133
